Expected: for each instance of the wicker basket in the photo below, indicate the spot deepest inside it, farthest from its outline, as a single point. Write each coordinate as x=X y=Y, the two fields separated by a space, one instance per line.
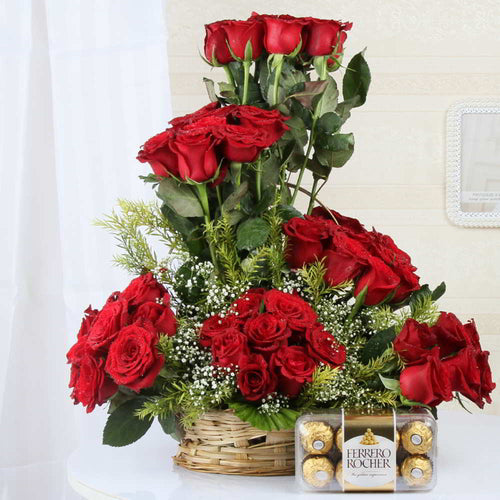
x=220 y=443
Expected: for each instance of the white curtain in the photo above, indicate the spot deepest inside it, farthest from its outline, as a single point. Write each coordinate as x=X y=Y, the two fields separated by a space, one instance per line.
x=83 y=83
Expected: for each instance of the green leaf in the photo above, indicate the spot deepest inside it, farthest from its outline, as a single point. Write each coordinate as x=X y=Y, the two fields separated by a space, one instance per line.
x=123 y=427
x=300 y=111
x=309 y=92
x=185 y=227
x=377 y=344
x=209 y=84
x=271 y=171
x=180 y=198
x=328 y=100
x=284 y=419
x=329 y=123
x=439 y=291
x=409 y=402
x=356 y=80
x=390 y=383
x=287 y=212
x=169 y=426
x=334 y=151
x=360 y=300
x=320 y=171
x=423 y=292
x=235 y=197
x=252 y=233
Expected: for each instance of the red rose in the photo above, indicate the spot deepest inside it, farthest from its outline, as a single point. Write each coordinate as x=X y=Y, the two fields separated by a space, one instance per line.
x=89 y=317
x=240 y=144
x=215 y=325
x=239 y=33
x=249 y=304
x=349 y=223
x=283 y=33
x=190 y=118
x=451 y=335
x=297 y=312
x=295 y=367
x=91 y=386
x=196 y=154
x=228 y=347
x=428 y=382
x=384 y=247
x=306 y=240
x=133 y=360
x=267 y=332
x=323 y=347
x=160 y=315
x=158 y=152
x=414 y=341
x=380 y=280
x=216 y=49
x=145 y=288
x=113 y=317
x=255 y=380
x=270 y=122
x=324 y=36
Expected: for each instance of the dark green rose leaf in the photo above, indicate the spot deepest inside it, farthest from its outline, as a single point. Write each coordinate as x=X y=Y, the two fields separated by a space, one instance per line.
x=356 y=80
x=329 y=123
x=328 y=100
x=439 y=291
x=334 y=151
x=170 y=426
x=377 y=344
x=235 y=197
x=252 y=233
x=287 y=212
x=123 y=427
x=390 y=383
x=210 y=86
x=179 y=197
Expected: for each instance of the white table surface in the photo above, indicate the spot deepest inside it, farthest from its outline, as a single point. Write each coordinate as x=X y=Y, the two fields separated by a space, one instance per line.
x=468 y=466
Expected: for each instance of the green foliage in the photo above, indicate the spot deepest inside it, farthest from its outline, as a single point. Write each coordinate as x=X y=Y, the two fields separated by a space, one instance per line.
x=283 y=419
x=316 y=286
x=356 y=81
x=252 y=233
x=377 y=344
x=132 y=225
x=123 y=426
x=386 y=362
x=323 y=376
x=180 y=198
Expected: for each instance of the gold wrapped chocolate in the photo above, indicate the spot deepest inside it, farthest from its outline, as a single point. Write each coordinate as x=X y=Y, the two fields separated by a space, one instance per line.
x=339 y=439
x=416 y=470
x=398 y=470
x=317 y=438
x=339 y=473
x=416 y=437
x=318 y=471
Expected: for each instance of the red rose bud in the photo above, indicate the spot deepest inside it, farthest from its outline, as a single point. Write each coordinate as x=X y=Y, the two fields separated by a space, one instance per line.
x=428 y=382
x=272 y=121
x=160 y=315
x=451 y=335
x=306 y=240
x=380 y=280
x=239 y=33
x=295 y=367
x=283 y=34
x=216 y=49
x=216 y=325
x=255 y=379
x=414 y=341
x=228 y=347
x=340 y=266
x=90 y=383
x=133 y=359
x=158 y=152
x=113 y=317
x=196 y=155
x=323 y=346
x=248 y=305
x=145 y=288
x=239 y=144
x=325 y=37
x=298 y=313
x=267 y=332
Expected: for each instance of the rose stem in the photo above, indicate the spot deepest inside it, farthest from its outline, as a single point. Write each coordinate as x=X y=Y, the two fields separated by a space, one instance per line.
x=203 y=197
x=246 y=79
x=258 y=179
x=277 y=76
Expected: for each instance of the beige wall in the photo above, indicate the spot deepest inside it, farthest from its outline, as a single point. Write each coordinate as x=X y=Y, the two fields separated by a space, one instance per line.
x=424 y=56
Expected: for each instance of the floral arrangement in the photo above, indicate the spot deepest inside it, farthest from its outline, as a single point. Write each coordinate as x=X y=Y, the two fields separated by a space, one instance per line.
x=252 y=305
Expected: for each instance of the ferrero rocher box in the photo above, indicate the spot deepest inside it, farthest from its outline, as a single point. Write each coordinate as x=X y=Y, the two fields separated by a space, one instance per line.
x=339 y=450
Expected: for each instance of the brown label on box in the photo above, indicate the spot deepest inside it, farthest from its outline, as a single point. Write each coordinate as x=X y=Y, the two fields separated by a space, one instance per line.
x=369 y=451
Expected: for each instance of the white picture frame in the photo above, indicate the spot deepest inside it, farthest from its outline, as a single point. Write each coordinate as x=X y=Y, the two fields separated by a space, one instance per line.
x=473 y=163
